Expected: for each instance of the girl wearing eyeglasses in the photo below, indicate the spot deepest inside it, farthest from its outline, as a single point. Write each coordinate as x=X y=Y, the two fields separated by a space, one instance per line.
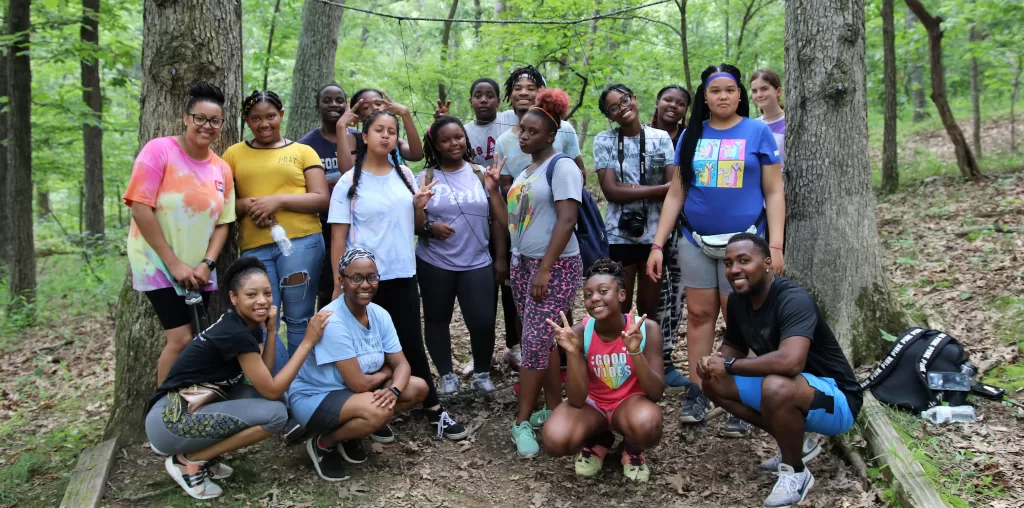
x=182 y=198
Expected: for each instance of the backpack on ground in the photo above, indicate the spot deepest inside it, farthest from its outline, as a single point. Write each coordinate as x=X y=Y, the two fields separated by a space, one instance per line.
x=590 y=233
x=901 y=380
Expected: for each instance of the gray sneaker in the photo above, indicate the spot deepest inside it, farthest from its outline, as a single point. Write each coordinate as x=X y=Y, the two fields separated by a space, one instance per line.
x=449 y=384
x=482 y=382
x=791 y=488
x=735 y=427
x=811 y=449
x=696 y=405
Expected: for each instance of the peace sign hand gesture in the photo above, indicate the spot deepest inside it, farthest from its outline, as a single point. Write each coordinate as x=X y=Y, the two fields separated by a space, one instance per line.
x=632 y=336
x=423 y=195
x=442 y=109
x=393 y=107
x=493 y=174
x=565 y=337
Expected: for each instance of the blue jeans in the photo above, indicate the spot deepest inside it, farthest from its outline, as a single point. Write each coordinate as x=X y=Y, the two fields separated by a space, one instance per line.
x=299 y=299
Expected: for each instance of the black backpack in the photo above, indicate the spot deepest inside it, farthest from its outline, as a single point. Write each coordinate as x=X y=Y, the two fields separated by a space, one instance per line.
x=901 y=380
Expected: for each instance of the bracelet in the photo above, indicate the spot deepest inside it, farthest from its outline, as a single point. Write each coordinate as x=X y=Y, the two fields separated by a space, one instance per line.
x=655 y=246
x=776 y=247
x=396 y=391
x=635 y=354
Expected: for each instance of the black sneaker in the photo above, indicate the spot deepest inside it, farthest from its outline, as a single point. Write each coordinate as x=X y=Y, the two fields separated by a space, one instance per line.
x=445 y=426
x=696 y=405
x=383 y=435
x=353 y=451
x=735 y=427
x=327 y=462
x=293 y=432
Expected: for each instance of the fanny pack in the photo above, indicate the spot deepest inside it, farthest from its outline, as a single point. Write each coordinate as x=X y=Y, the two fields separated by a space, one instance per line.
x=199 y=395
x=714 y=245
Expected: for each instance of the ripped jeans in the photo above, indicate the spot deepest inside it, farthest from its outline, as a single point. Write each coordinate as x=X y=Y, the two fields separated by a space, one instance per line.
x=295 y=301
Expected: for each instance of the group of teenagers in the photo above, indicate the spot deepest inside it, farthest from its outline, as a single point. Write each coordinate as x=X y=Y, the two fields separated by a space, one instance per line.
x=341 y=240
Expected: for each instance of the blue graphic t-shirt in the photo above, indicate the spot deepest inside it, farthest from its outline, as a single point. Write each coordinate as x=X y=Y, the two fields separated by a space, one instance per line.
x=725 y=195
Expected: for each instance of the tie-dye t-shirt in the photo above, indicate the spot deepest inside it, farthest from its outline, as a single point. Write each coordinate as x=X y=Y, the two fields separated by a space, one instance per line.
x=725 y=195
x=189 y=198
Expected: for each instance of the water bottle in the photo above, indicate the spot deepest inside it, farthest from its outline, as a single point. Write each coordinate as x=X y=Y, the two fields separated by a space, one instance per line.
x=946 y=414
x=281 y=237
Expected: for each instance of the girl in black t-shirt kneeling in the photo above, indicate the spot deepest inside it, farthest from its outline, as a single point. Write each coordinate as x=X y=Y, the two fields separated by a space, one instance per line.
x=203 y=410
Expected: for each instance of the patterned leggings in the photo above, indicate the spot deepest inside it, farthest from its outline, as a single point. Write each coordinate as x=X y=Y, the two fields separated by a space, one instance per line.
x=538 y=338
x=670 y=305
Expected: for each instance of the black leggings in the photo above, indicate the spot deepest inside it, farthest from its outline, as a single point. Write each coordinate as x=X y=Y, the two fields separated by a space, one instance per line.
x=475 y=291
x=401 y=299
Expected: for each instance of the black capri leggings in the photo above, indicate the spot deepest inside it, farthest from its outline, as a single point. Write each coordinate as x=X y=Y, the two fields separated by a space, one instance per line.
x=401 y=298
x=475 y=291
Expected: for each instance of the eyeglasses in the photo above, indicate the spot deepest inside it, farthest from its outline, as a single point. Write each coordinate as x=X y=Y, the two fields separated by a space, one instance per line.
x=623 y=102
x=200 y=120
x=358 y=279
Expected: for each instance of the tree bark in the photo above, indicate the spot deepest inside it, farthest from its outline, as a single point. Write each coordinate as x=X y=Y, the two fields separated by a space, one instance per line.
x=890 y=167
x=5 y=211
x=446 y=34
x=964 y=157
x=170 y=65
x=477 y=14
x=92 y=130
x=831 y=232
x=915 y=77
x=22 y=270
x=681 y=4
x=973 y=36
x=314 y=64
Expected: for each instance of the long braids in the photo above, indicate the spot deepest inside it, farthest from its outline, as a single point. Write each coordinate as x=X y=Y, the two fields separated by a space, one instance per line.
x=431 y=152
x=701 y=112
x=361 y=150
x=256 y=97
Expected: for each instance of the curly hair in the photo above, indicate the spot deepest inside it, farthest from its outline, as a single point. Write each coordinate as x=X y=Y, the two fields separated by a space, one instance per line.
x=552 y=105
x=605 y=266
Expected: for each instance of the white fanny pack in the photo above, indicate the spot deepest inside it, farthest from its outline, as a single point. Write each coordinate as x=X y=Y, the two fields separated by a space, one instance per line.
x=714 y=245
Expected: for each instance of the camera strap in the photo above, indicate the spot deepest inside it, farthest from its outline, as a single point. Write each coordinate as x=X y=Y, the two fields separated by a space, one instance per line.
x=643 y=162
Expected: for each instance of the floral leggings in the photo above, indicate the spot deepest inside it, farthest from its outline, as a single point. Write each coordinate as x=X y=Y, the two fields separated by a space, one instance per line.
x=538 y=337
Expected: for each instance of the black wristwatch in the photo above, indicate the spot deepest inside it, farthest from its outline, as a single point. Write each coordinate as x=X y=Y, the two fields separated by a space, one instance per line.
x=428 y=227
x=211 y=263
x=396 y=391
x=728 y=366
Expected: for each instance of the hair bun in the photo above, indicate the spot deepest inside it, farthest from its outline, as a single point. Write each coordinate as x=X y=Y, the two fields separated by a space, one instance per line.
x=555 y=101
x=203 y=90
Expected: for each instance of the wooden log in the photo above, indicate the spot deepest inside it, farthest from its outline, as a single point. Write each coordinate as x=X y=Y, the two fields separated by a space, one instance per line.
x=90 y=476
x=904 y=472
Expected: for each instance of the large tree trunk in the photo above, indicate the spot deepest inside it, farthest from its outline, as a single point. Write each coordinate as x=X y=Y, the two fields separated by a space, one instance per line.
x=446 y=34
x=22 y=269
x=170 y=65
x=681 y=4
x=915 y=76
x=5 y=212
x=314 y=64
x=964 y=157
x=890 y=165
x=972 y=37
x=831 y=232
x=92 y=130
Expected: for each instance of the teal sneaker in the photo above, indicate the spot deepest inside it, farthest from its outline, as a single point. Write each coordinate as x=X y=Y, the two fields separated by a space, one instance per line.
x=525 y=440
x=539 y=416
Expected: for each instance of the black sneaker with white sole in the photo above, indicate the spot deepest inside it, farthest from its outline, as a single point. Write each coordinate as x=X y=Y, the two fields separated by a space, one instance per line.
x=383 y=435
x=736 y=428
x=696 y=405
x=327 y=461
x=445 y=426
x=353 y=451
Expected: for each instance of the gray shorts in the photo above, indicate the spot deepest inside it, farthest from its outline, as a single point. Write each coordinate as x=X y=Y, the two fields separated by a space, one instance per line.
x=701 y=271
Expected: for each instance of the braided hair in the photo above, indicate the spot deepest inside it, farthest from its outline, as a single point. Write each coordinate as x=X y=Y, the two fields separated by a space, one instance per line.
x=431 y=152
x=237 y=272
x=361 y=153
x=700 y=113
x=605 y=266
x=666 y=88
x=256 y=97
x=529 y=72
x=602 y=101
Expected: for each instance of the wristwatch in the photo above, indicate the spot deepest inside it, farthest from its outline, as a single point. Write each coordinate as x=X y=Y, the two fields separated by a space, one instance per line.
x=396 y=391
x=728 y=366
x=211 y=263
x=428 y=227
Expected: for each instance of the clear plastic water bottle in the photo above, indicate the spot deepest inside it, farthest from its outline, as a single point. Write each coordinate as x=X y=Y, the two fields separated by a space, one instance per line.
x=281 y=237
x=946 y=414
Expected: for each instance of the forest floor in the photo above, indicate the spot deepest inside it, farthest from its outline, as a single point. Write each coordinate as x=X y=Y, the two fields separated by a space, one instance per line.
x=953 y=250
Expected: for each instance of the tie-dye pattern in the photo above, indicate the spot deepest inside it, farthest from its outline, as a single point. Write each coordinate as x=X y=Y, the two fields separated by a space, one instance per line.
x=189 y=198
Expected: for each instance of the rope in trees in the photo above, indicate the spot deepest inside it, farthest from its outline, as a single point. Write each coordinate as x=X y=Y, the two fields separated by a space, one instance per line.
x=497 y=21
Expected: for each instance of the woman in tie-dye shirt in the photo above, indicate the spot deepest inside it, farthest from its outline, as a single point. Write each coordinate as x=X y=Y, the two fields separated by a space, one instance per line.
x=182 y=198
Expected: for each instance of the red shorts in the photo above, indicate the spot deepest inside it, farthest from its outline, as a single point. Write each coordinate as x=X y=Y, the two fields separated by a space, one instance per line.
x=608 y=409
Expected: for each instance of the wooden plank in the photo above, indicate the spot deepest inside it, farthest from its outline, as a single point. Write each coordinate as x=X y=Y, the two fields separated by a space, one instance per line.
x=90 y=476
x=905 y=474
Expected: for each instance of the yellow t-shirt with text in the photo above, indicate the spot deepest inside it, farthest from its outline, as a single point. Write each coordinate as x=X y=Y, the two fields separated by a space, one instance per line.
x=263 y=172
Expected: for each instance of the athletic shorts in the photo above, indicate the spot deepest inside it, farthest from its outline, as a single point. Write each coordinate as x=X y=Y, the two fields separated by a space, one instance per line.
x=630 y=254
x=832 y=415
x=608 y=409
x=171 y=308
x=699 y=270
x=325 y=417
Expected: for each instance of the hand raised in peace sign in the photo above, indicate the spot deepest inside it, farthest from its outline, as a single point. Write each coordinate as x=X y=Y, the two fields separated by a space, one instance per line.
x=632 y=336
x=565 y=337
x=424 y=194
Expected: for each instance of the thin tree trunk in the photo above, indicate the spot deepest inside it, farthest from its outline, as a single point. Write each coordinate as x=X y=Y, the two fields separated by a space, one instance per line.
x=726 y=11
x=973 y=36
x=890 y=167
x=270 y=43
x=477 y=13
x=831 y=231
x=915 y=77
x=42 y=204
x=681 y=4
x=314 y=64
x=92 y=130
x=445 y=39
x=1014 y=97
x=751 y=10
x=5 y=213
x=170 y=65
x=499 y=7
x=964 y=157
x=22 y=270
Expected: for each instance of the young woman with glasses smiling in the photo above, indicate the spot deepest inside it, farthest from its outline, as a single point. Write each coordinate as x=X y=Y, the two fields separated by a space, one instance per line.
x=182 y=198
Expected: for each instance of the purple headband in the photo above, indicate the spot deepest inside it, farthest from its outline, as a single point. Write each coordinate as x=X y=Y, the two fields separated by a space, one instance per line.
x=719 y=75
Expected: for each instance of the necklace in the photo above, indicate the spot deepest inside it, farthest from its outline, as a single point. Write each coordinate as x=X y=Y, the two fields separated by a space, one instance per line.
x=775 y=117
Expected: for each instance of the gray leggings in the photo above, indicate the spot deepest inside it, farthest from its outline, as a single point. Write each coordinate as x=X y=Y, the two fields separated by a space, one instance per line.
x=175 y=432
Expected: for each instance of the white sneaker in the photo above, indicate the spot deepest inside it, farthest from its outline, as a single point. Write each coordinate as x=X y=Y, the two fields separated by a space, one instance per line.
x=219 y=470
x=791 y=488
x=482 y=382
x=449 y=384
x=811 y=449
x=196 y=483
x=514 y=355
x=468 y=369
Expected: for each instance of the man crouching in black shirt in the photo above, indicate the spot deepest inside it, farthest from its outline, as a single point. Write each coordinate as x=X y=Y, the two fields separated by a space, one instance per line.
x=800 y=381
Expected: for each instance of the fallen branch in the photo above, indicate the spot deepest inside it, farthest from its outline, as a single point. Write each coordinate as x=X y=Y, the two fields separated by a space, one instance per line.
x=146 y=495
x=854 y=458
x=995 y=228
x=55 y=345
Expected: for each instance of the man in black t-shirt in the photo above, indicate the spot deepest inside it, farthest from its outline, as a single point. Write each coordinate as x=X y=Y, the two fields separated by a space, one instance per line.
x=799 y=381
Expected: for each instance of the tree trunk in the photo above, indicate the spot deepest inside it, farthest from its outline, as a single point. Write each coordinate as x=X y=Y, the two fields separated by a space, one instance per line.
x=726 y=11
x=446 y=34
x=92 y=130
x=831 y=232
x=170 y=65
x=5 y=211
x=681 y=4
x=964 y=157
x=22 y=270
x=270 y=43
x=42 y=204
x=915 y=77
x=1015 y=64
x=314 y=64
x=890 y=167
x=499 y=7
x=477 y=14
x=972 y=37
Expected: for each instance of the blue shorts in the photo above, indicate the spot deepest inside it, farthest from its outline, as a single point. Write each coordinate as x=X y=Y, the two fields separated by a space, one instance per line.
x=819 y=420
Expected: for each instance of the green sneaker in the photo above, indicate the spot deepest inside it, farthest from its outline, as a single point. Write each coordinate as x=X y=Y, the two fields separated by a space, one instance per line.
x=539 y=416
x=590 y=460
x=525 y=440
x=634 y=466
